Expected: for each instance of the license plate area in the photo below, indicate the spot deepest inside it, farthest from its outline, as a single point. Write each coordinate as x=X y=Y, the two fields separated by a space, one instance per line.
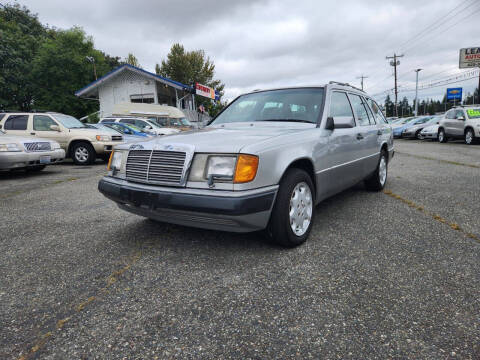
x=45 y=159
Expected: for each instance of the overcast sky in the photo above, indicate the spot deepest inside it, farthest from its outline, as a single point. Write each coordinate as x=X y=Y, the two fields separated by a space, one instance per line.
x=264 y=44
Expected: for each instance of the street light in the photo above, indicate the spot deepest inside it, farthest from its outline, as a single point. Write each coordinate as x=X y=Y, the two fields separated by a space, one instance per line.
x=416 y=92
x=92 y=60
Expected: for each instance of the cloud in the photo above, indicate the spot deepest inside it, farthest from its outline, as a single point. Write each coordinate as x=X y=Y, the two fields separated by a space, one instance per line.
x=263 y=44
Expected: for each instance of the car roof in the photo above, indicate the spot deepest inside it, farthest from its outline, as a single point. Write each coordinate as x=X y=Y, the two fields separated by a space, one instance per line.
x=333 y=85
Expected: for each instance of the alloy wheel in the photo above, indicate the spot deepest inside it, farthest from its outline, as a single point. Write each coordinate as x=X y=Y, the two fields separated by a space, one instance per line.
x=301 y=208
x=81 y=154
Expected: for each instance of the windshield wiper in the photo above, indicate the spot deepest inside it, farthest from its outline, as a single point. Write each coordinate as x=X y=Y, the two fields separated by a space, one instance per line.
x=288 y=120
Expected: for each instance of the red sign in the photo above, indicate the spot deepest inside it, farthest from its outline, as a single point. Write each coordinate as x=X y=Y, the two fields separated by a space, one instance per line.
x=205 y=91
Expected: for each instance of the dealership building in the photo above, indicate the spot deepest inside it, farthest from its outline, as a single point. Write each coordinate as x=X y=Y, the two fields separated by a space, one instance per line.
x=128 y=83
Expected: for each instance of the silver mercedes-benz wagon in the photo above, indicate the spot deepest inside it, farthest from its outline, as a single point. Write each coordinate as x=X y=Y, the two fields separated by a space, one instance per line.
x=264 y=162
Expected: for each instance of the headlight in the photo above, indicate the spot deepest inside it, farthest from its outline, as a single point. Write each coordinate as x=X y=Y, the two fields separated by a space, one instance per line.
x=55 y=145
x=9 y=147
x=103 y=138
x=115 y=164
x=231 y=168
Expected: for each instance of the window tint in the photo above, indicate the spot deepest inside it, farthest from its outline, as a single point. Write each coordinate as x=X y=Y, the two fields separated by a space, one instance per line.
x=42 y=122
x=127 y=121
x=339 y=105
x=377 y=113
x=459 y=113
x=360 y=110
x=450 y=114
x=16 y=122
x=141 y=124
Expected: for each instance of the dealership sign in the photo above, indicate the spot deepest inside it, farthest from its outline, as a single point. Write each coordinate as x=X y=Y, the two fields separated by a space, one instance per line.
x=205 y=91
x=469 y=57
x=454 y=94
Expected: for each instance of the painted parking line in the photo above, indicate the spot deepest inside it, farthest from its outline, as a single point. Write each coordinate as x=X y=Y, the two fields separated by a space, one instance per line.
x=439 y=160
x=434 y=216
x=102 y=292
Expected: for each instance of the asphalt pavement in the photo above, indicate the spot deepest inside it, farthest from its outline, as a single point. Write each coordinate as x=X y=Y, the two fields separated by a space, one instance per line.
x=394 y=274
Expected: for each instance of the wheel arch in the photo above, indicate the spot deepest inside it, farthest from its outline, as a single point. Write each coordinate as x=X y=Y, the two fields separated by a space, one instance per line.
x=305 y=164
x=469 y=127
x=76 y=141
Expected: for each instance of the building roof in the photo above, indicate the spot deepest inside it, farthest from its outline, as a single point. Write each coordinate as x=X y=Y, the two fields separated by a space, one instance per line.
x=93 y=87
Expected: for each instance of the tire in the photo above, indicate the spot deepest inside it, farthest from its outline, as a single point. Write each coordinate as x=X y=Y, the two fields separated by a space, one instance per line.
x=442 y=137
x=295 y=183
x=418 y=136
x=378 y=179
x=36 y=168
x=469 y=137
x=83 y=153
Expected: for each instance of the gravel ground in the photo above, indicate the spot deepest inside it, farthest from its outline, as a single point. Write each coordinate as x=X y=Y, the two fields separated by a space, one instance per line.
x=383 y=275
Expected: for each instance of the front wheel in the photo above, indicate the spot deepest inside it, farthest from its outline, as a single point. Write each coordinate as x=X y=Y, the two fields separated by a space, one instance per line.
x=378 y=179
x=442 y=137
x=418 y=135
x=469 y=137
x=294 y=209
x=83 y=153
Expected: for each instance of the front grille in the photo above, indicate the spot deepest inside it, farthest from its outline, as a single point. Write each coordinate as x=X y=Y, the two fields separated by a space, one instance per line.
x=37 y=146
x=157 y=166
x=117 y=137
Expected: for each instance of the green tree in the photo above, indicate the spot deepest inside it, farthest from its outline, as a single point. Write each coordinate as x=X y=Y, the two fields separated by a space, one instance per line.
x=132 y=60
x=21 y=34
x=189 y=67
x=389 y=107
x=60 y=68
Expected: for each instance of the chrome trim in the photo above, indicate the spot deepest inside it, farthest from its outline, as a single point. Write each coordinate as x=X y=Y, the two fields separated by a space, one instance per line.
x=347 y=163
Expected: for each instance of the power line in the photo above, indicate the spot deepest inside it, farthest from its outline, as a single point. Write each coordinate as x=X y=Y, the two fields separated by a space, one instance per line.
x=362 y=77
x=439 y=23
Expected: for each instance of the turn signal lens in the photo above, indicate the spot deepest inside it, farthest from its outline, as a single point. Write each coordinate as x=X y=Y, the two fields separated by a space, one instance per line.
x=246 y=169
x=110 y=161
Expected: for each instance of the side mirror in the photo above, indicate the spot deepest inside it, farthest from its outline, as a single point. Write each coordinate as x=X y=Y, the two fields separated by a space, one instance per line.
x=462 y=118
x=54 y=127
x=148 y=127
x=339 y=122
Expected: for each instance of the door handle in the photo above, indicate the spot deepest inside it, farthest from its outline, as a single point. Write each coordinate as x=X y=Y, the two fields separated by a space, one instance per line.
x=32 y=133
x=359 y=136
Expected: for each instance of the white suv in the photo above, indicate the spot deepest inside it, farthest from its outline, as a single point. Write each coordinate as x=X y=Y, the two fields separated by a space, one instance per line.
x=460 y=123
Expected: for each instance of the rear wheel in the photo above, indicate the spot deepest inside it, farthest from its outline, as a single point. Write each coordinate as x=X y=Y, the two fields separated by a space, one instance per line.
x=378 y=179
x=442 y=137
x=294 y=209
x=83 y=153
x=418 y=135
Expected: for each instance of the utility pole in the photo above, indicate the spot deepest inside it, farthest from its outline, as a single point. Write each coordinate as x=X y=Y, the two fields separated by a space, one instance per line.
x=362 y=77
x=416 y=93
x=395 y=63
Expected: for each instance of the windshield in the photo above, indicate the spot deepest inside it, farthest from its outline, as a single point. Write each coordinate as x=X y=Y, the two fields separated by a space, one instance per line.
x=404 y=121
x=295 y=105
x=473 y=113
x=107 y=128
x=69 y=121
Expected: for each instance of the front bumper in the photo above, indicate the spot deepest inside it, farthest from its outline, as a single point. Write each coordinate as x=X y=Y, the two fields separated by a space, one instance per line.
x=429 y=135
x=103 y=147
x=239 y=211
x=16 y=160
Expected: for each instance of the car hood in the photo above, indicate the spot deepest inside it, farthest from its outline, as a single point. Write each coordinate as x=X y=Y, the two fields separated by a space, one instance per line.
x=90 y=131
x=7 y=139
x=230 y=138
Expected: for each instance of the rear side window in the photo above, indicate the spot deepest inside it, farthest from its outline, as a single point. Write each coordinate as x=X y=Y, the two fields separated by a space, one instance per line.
x=377 y=113
x=127 y=121
x=42 y=123
x=360 y=110
x=339 y=105
x=16 y=122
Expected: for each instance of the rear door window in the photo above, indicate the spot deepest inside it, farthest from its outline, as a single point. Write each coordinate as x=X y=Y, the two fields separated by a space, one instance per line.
x=16 y=122
x=377 y=113
x=360 y=110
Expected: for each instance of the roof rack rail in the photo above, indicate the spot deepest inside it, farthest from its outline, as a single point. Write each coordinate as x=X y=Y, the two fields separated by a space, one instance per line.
x=345 y=84
x=24 y=111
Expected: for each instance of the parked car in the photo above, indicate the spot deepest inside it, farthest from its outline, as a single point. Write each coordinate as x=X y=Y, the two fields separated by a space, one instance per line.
x=413 y=128
x=163 y=115
x=80 y=143
x=127 y=129
x=460 y=123
x=146 y=125
x=33 y=154
x=431 y=132
x=127 y=138
x=400 y=125
x=264 y=162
